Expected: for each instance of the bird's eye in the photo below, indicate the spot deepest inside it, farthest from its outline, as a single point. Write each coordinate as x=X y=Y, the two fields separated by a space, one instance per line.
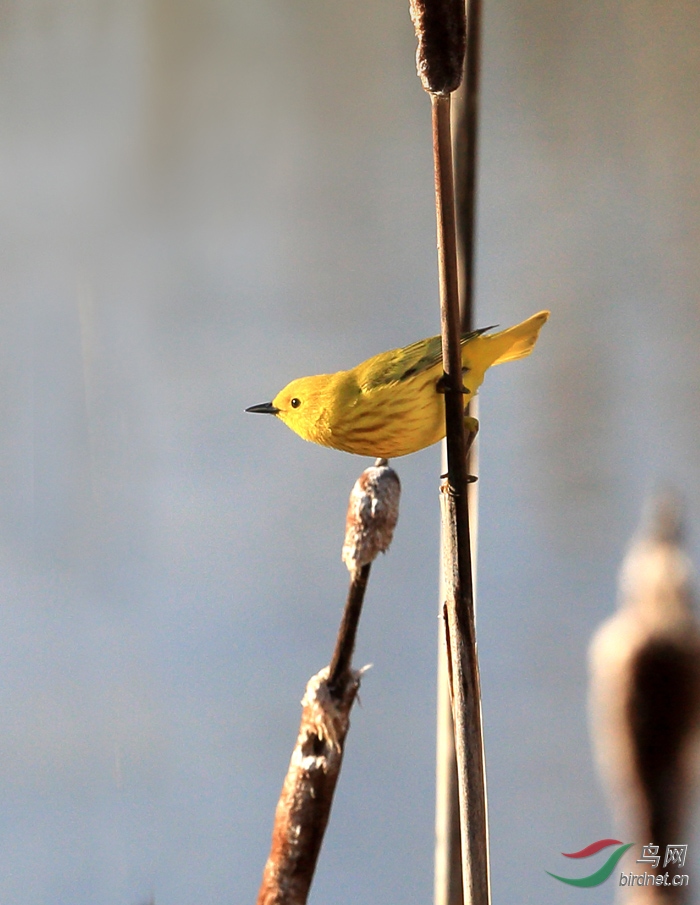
x=295 y=403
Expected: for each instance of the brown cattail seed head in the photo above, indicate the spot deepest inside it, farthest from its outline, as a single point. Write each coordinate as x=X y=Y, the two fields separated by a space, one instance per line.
x=441 y=29
x=373 y=511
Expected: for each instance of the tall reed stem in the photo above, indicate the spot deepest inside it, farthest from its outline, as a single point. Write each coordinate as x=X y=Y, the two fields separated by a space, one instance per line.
x=465 y=110
x=463 y=667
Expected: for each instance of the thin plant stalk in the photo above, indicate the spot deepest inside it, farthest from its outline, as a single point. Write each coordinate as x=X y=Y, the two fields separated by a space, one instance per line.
x=447 y=888
x=463 y=668
x=448 y=883
x=465 y=122
x=448 y=868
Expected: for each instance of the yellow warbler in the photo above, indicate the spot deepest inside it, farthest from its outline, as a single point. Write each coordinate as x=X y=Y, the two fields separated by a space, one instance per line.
x=391 y=405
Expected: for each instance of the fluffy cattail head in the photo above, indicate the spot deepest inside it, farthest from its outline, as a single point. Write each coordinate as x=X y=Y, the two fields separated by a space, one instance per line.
x=373 y=511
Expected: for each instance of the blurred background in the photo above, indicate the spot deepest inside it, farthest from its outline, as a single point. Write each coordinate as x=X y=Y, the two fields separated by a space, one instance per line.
x=202 y=200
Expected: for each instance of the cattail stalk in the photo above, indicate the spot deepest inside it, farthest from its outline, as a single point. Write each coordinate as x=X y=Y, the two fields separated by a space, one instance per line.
x=305 y=803
x=441 y=31
x=465 y=109
x=465 y=121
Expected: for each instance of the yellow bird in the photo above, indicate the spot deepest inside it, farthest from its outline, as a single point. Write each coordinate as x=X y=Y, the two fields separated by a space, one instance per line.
x=391 y=405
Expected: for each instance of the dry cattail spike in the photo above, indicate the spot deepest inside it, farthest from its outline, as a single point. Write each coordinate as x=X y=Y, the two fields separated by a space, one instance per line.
x=645 y=696
x=307 y=794
x=305 y=803
x=373 y=511
x=441 y=29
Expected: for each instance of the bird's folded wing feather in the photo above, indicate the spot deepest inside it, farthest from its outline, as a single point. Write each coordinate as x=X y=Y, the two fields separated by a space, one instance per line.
x=392 y=367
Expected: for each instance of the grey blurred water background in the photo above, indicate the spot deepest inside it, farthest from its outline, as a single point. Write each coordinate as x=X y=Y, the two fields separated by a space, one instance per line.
x=201 y=200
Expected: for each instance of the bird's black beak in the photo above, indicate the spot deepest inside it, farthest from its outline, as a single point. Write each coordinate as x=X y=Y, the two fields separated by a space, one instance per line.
x=265 y=408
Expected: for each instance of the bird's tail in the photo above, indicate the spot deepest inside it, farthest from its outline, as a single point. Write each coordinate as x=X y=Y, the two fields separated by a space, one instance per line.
x=515 y=342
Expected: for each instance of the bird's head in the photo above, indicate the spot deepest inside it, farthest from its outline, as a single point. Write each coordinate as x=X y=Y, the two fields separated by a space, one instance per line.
x=302 y=405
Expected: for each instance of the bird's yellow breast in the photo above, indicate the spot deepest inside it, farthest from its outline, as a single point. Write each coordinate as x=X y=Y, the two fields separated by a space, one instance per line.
x=390 y=420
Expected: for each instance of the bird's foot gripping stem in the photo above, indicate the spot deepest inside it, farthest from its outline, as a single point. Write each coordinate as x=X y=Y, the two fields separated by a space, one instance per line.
x=471 y=429
x=442 y=387
x=471 y=478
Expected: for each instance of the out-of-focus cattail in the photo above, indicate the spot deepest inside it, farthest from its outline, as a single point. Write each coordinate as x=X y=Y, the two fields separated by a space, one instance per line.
x=373 y=511
x=441 y=29
x=645 y=698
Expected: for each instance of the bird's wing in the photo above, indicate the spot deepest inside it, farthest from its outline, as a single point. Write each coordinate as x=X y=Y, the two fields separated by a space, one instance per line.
x=401 y=364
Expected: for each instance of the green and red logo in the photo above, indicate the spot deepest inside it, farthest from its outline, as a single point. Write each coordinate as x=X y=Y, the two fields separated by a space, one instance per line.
x=601 y=875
